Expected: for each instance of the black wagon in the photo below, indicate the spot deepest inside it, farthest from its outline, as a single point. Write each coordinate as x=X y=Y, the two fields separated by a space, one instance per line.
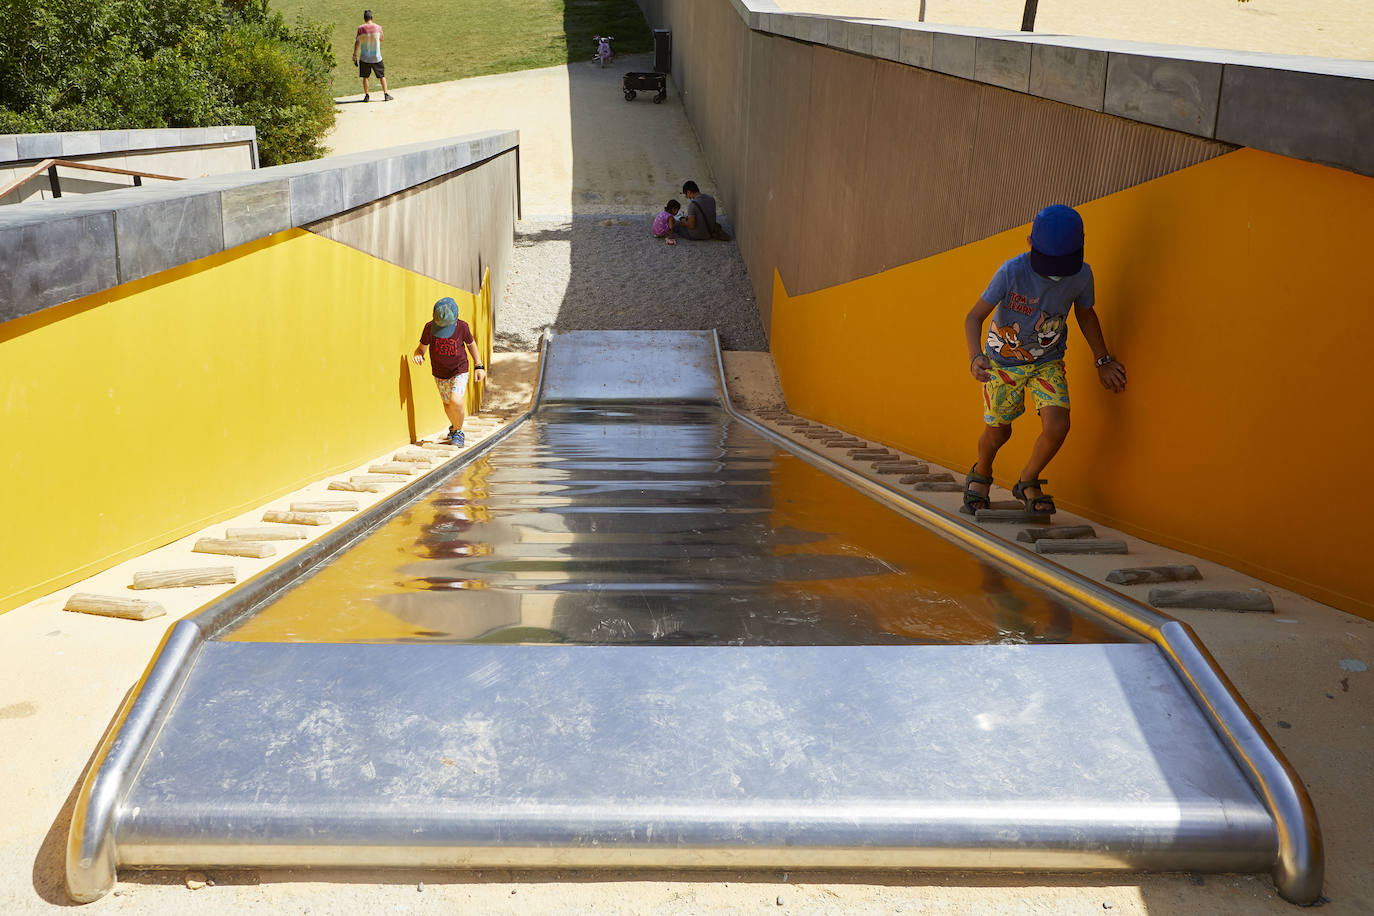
x=656 y=83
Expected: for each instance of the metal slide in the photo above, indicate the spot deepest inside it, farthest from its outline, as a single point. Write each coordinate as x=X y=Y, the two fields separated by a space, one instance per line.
x=638 y=629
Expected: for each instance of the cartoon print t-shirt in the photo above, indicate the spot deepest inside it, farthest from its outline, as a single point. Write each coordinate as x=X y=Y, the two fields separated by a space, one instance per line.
x=1030 y=323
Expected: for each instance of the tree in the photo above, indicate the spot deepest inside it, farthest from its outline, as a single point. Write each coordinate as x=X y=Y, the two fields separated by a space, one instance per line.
x=120 y=64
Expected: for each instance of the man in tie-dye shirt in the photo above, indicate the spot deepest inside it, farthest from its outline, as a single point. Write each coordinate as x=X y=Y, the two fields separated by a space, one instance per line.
x=367 y=54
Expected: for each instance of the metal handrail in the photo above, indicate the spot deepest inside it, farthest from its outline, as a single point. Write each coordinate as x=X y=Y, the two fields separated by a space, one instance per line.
x=1300 y=865
x=49 y=164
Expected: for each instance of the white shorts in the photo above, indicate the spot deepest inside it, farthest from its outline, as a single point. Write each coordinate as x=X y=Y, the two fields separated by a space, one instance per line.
x=447 y=386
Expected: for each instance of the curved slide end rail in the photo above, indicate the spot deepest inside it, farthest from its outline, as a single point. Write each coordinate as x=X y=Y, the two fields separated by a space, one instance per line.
x=92 y=859
x=1299 y=866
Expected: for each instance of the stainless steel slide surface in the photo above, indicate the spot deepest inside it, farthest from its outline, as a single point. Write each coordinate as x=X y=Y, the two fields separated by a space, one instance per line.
x=638 y=631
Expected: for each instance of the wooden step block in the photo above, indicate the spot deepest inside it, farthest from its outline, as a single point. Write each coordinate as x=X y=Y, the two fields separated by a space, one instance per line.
x=846 y=443
x=871 y=454
x=824 y=434
x=1080 y=545
x=325 y=505
x=374 y=478
x=1031 y=535
x=939 y=477
x=404 y=468
x=901 y=467
x=418 y=455
x=351 y=487
x=233 y=547
x=297 y=518
x=178 y=578
x=1252 y=599
x=938 y=486
x=1142 y=574
x=1010 y=515
x=106 y=606
x=267 y=533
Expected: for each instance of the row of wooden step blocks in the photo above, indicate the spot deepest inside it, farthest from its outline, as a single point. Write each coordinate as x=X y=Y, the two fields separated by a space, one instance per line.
x=1046 y=541
x=911 y=472
x=254 y=542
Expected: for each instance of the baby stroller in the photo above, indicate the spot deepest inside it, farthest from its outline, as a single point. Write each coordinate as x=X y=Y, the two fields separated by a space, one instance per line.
x=604 y=54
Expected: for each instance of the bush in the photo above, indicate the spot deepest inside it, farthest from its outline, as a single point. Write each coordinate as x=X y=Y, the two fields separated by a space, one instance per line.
x=118 y=64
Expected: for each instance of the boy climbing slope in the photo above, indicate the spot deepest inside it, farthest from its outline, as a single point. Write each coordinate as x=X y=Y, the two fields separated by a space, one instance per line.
x=452 y=341
x=1023 y=352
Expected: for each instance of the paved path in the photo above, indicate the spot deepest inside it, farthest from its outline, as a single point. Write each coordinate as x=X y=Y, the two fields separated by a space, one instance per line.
x=1321 y=28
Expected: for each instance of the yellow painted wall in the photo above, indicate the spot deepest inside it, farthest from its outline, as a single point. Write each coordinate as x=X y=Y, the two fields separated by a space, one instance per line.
x=140 y=414
x=1234 y=291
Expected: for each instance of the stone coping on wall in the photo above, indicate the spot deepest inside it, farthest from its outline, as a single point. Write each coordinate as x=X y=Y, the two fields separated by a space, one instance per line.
x=18 y=148
x=1312 y=108
x=58 y=250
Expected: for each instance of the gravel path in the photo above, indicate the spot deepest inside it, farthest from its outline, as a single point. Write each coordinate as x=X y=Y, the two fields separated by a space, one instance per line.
x=604 y=271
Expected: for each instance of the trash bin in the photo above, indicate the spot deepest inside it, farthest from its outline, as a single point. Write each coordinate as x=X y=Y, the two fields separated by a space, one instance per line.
x=663 y=51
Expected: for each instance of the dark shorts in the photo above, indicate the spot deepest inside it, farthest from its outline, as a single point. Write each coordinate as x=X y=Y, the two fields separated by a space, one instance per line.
x=370 y=68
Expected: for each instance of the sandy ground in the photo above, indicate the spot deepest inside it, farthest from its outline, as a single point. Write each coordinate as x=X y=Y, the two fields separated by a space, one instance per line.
x=1304 y=669
x=1321 y=28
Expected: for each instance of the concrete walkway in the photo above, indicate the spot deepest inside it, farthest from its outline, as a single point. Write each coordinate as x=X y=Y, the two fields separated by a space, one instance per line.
x=583 y=148
x=1319 y=28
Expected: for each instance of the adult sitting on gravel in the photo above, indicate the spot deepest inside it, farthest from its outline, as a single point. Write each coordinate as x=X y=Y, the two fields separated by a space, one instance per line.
x=701 y=214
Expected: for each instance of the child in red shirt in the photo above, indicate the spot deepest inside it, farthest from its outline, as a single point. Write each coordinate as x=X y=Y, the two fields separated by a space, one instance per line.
x=452 y=341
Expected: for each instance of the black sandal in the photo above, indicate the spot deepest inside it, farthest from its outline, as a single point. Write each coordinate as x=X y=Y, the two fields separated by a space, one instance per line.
x=1035 y=505
x=973 y=500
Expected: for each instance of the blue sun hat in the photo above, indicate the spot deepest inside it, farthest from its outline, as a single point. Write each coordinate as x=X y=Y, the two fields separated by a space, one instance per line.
x=1057 y=242
x=445 y=317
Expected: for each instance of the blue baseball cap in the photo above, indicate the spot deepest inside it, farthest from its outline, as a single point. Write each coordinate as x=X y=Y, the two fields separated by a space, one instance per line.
x=1057 y=242
x=445 y=317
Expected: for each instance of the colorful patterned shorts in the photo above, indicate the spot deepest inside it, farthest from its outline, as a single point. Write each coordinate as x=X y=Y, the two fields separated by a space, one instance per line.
x=1004 y=395
x=448 y=386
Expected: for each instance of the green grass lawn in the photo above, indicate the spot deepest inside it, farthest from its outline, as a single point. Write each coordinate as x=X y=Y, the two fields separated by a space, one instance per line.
x=429 y=41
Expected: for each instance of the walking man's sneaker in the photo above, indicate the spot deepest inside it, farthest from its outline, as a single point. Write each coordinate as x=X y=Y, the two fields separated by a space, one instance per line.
x=367 y=97
x=455 y=437
x=386 y=96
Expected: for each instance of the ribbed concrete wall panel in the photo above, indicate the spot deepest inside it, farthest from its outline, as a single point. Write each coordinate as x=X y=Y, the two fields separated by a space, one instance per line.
x=834 y=165
x=920 y=159
x=771 y=231
x=729 y=138
x=473 y=212
x=1030 y=152
x=834 y=198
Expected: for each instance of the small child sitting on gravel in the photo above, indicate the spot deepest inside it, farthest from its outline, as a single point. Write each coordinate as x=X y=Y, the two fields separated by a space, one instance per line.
x=663 y=223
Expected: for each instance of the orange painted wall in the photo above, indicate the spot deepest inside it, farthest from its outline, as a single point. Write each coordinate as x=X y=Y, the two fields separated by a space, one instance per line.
x=1234 y=291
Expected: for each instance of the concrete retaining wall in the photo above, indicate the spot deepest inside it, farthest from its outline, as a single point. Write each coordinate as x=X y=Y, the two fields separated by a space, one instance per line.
x=56 y=251
x=453 y=229
x=862 y=145
x=192 y=152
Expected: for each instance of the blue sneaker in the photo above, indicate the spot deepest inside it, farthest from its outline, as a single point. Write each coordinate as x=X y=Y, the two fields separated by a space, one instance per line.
x=455 y=437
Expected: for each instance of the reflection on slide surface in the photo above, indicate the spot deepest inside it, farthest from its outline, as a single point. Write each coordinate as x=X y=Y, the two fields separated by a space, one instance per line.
x=659 y=524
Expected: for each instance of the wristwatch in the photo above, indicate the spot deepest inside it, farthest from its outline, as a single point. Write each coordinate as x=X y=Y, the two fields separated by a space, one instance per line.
x=1104 y=361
